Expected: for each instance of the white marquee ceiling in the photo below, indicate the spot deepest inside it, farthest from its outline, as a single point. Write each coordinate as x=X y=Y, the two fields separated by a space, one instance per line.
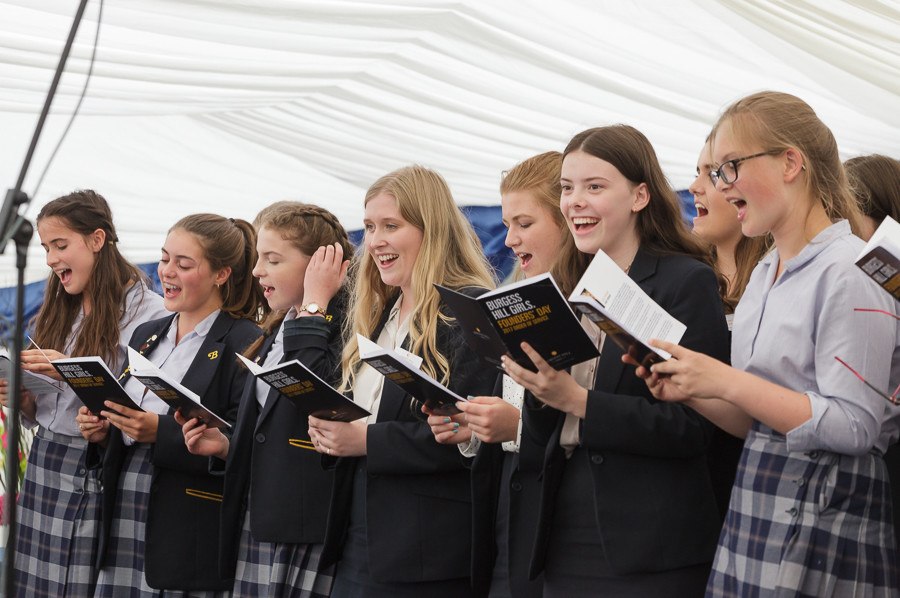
x=225 y=106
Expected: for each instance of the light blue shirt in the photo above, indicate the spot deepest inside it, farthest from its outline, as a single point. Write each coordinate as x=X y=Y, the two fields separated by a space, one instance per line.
x=56 y=411
x=790 y=330
x=172 y=357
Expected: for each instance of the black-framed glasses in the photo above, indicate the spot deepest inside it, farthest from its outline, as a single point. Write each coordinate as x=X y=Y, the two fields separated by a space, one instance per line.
x=728 y=171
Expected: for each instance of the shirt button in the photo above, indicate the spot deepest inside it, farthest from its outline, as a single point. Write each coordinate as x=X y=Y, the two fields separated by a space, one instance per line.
x=516 y=486
x=792 y=511
x=813 y=455
x=260 y=437
x=801 y=482
x=596 y=459
x=80 y=471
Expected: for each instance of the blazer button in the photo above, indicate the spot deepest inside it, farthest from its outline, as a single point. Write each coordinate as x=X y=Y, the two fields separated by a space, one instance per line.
x=260 y=437
x=516 y=486
x=596 y=459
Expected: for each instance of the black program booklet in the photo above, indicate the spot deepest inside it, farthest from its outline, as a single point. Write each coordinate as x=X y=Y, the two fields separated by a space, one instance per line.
x=403 y=372
x=532 y=310
x=170 y=391
x=93 y=383
x=309 y=393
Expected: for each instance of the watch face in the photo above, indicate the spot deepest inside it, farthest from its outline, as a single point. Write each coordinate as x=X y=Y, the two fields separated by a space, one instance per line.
x=313 y=308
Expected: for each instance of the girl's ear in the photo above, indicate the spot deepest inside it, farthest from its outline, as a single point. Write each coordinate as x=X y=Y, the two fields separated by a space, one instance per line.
x=96 y=240
x=793 y=164
x=222 y=275
x=641 y=197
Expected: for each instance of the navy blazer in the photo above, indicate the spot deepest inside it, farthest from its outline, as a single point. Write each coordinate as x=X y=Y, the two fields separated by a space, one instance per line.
x=522 y=511
x=652 y=492
x=181 y=540
x=418 y=494
x=271 y=457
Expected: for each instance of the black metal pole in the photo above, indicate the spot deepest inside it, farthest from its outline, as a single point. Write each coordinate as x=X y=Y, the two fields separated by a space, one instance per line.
x=17 y=228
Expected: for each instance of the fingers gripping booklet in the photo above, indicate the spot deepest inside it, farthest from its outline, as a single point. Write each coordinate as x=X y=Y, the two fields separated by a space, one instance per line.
x=400 y=368
x=621 y=309
x=309 y=393
x=170 y=391
x=533 y=310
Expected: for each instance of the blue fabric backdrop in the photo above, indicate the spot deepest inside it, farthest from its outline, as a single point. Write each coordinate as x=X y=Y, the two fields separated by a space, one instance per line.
x=485 y=219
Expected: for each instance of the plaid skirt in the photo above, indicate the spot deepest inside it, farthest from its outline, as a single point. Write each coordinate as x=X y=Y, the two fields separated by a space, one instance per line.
x=58 y=518
x=123 y=574
x=276 y=570
x=813 y=524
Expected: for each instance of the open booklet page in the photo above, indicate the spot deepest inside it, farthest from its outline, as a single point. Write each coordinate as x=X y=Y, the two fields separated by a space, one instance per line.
x=34 y=383
x=605 y=292
x=306 y=391
x=880 y=258
x=171 y=391
x=401 y=370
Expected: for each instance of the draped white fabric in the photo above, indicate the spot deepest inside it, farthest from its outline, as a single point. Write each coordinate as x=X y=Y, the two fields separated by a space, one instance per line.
x=225 y=106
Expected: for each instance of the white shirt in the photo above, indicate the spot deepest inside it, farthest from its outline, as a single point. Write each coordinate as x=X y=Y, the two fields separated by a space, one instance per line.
x=369 y=383
x=172 y=357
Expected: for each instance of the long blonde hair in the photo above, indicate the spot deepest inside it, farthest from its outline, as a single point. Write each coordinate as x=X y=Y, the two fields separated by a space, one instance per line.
x=450 y=255
x=539 y=175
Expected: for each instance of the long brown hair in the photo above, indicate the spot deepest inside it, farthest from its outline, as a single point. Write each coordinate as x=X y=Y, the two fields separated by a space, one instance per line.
x=229 y=243
x=84 y=212
x=875 y=180
x=660 y=226
x=779 y=121
x=307 y=227
x=450 y=255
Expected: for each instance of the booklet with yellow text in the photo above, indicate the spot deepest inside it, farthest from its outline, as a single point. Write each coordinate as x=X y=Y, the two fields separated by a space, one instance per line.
x=401 y=369
x=531 y=310
x=309 y=393
x=171 y=391
x=93 y=383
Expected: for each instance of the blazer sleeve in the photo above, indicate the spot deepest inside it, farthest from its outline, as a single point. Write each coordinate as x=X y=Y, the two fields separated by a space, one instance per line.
x=317 y=342
x=409 y=447
x=630 y=420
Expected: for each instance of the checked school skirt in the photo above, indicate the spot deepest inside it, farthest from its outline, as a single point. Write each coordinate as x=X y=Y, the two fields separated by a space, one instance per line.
x=814 y=524
x=123 y=574
x=277 y=570
x=58 y=517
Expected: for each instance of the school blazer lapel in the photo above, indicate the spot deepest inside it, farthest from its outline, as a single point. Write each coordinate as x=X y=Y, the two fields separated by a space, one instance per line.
x=610 y=367
x=209 y=356
x=273 y=395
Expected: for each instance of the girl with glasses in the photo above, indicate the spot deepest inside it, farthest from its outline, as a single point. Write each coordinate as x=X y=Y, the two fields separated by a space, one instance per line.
x=627 y=507
x=810 y=512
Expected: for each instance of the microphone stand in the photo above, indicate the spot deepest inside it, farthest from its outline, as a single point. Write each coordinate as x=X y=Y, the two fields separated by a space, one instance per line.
x=14 y=227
